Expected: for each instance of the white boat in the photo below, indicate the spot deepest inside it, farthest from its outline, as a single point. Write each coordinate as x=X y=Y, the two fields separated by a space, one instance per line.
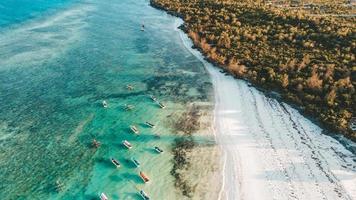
x=150 y=124
x=59 y=186
x=136 y=162
x=130 y=87
x=153 y=98
x=134 y=129
x=159 y=150
x=161 y=105
x=129 y=107
x=105 y=104
x=115 y=162
x=127 y=144
x=103 y=196
x=144 y=195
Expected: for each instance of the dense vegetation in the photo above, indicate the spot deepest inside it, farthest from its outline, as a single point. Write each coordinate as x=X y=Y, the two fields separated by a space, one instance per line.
x=304 y=51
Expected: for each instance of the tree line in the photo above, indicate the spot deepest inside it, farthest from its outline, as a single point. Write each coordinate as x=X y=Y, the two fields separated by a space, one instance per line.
x=309 y=59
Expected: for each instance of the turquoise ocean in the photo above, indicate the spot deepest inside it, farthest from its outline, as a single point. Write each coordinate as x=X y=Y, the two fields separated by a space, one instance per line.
x=58 y=61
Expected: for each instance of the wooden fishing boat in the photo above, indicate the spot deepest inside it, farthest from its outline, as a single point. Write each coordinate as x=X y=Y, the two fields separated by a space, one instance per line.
x=115 y=162
x=150 y=124
x=159 y=150
x=130 y=87
x=129 y=107
x=144 y=177
x=134 y=129
x=136 y=162
x=161 y=105
x=105 y=104
x=153 y=98
x=144 y=195
x=59 y=186
x=127 y=144
x=103 y=196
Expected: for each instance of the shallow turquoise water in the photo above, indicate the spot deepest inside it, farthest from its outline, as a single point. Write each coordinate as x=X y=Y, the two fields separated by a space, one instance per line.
x=14 y=12
x=55 y=70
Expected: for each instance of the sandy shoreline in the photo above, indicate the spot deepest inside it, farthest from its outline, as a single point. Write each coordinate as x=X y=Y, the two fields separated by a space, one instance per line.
x=271 y=148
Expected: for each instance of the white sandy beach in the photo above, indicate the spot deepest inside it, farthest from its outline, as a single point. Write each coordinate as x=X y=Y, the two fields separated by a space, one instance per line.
x=270 y=150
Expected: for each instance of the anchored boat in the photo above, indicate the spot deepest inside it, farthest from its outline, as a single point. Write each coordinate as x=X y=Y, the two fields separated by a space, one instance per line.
x=129 y=107
x=103 y=196
x=105 y=104
x=159 y=150
x=134 y=129
x=144 y=195
x=136 y=162
x=129 y=87
x=144 y=177
x=115 y=162
x=150 y=124
x=153 y=98
x=95 y=143
x=59 y=186
x=161 y=105
x=127 y=144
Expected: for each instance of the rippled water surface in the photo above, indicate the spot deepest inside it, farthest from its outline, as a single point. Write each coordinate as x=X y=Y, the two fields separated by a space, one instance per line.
x=57 y=63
